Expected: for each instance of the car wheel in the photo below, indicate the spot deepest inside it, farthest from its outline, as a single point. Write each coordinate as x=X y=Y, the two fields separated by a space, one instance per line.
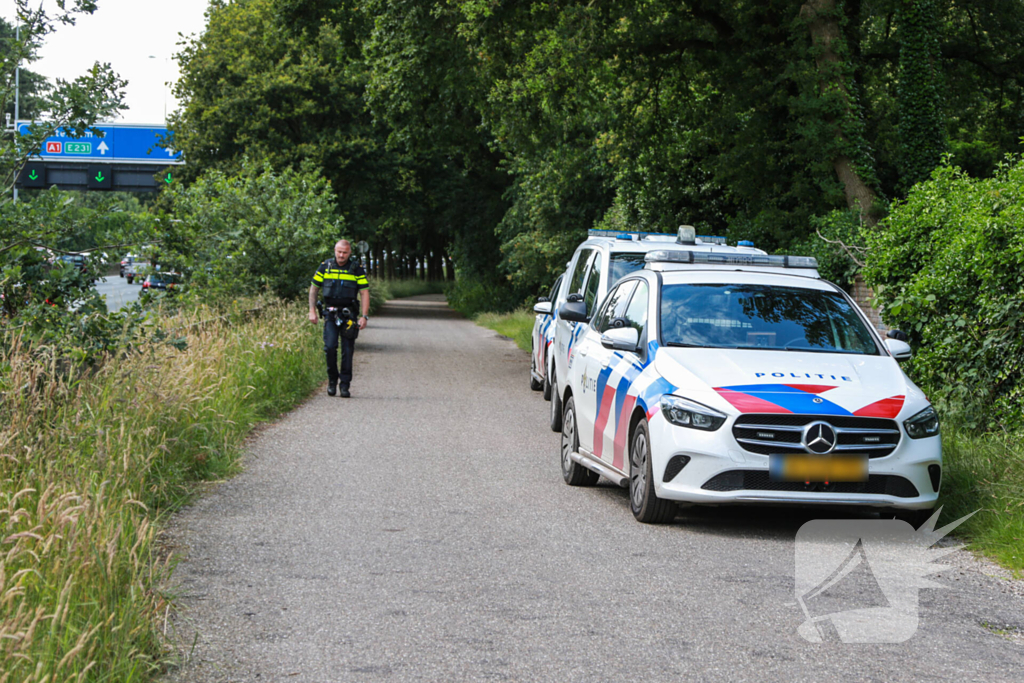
x=573 y=473
x=535 y=384
x=547 y=384
x=556 y=407
x=643 y=501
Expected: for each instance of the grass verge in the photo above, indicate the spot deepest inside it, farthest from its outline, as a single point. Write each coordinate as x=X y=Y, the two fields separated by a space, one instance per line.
x=517 y=325
x=985 y=472
x=982 y=472
x=89 y=464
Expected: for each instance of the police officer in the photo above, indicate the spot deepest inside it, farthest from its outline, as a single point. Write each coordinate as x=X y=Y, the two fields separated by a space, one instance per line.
x=342 y=280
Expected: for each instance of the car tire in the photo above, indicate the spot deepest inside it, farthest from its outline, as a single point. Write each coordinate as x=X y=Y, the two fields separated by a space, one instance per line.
x=573 y=473
x=547 y=384
x=535 y=384
x=643 y=501
x=556 y=407
x=913 y=517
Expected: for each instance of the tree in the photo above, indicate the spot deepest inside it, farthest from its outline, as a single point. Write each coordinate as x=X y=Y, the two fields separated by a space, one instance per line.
x=253 y=232
x=33 y=86
x=38 y=289
x=74 y=106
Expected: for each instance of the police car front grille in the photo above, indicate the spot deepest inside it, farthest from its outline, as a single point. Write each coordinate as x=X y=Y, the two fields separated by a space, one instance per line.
x=773 y=433
x=758 y=480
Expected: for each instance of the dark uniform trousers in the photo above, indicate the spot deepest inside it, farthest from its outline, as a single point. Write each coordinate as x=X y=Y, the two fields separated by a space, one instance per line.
x=332 y=335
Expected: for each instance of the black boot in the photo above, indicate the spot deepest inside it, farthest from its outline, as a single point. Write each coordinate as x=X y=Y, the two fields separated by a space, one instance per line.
x=331 y=384
x=344 y=391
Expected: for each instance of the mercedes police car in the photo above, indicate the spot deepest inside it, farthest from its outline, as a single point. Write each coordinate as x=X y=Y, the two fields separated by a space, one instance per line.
x=722 y=375
x=596 y=265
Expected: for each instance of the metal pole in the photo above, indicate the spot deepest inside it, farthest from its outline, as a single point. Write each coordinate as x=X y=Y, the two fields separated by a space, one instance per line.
x=17 y=91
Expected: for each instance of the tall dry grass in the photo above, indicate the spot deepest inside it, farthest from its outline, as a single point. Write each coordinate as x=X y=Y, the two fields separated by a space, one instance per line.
x=90 y=460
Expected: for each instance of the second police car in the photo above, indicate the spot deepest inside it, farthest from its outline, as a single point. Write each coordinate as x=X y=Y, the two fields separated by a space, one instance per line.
x=722 y=375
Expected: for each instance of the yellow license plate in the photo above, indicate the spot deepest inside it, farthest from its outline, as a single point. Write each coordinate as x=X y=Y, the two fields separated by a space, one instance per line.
x=817 y=468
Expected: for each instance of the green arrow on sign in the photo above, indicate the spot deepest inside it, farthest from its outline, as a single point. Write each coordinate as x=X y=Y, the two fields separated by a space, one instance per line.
x=33 y=175
x=99 y=177
x=168 y=179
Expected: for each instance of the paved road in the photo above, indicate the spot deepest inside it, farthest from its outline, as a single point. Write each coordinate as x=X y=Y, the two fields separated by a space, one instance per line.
x=117 y=291
x=420 y=531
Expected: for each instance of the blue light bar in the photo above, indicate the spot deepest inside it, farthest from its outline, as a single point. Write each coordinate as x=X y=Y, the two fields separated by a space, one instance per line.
x=669 y=256
x=621 y=234
x=731 y=259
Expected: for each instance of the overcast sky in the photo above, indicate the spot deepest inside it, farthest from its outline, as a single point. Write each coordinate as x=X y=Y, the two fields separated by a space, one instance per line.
x=138 y=37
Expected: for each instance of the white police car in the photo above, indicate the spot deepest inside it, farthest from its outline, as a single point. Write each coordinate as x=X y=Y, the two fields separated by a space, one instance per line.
x=596 y=265
x=717 y=375
x=542 y=338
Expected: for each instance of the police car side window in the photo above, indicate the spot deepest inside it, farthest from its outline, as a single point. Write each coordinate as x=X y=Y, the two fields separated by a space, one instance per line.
x=614 y=307
x=636 y=313
x=593 y=281
x=576 y=282
x=554 y=288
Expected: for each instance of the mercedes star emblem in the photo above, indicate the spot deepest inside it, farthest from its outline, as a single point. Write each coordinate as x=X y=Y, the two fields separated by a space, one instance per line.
x=819 y=437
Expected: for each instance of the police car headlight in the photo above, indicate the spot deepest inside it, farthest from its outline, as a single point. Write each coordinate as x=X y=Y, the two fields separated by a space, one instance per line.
x=686 y=413
x=925 y=423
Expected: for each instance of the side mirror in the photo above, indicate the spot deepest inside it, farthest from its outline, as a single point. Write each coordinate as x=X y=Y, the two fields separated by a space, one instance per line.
x=897 y=335
x=542 y=299
x=575 y=296
x=621 y=339
x=544 y=307
x=899 y=349
x=573 y=311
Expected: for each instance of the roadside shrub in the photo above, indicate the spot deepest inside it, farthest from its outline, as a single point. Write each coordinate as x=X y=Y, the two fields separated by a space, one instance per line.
x=947 y=267
x=470 y=297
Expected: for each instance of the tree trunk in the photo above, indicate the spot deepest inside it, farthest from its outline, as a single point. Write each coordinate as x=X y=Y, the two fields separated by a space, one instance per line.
x=449 y=268
x=822 y=17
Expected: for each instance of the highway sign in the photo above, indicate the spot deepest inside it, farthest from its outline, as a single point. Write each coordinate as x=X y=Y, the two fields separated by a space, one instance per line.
x=118 y=142
x=100 y=177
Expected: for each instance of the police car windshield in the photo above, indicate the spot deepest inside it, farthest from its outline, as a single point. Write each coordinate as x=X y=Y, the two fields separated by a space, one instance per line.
x=623 y=264
x=762 y=317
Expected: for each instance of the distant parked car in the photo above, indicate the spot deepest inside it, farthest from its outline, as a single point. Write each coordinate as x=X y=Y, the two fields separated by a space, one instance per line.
x=137 y=270
x=77 y=261
x=165 y=281
x=127 y=261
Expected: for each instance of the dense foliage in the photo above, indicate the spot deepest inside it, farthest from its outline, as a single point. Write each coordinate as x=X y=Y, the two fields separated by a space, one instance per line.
x=253 y=232
x=496 y=133
x=948 y=268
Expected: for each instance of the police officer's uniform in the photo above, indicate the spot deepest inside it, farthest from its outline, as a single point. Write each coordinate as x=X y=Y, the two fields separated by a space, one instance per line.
x=340 y=288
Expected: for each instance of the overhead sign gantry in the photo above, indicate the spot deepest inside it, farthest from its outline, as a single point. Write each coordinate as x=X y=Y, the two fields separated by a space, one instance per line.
x=119 y=156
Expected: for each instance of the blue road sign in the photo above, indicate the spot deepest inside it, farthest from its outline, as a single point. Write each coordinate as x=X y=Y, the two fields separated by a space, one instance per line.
x=120 y=142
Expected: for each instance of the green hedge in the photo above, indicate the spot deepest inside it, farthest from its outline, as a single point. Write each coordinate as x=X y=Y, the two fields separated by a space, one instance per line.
x=947 y=267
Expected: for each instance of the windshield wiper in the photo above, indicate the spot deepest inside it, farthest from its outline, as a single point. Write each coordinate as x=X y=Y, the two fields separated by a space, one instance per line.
x=689 y=346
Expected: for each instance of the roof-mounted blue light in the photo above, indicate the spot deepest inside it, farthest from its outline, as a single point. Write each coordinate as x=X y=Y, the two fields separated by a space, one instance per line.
x=669 y=256
x=744 y=243
x=730 y=259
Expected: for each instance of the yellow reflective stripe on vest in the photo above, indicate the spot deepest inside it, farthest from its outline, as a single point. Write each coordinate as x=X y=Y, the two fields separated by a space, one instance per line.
x=317 y=277
x=362 y=280
x=342 y=276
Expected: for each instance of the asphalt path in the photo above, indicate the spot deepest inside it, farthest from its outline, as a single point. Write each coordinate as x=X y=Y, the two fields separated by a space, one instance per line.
x=117 y=292
x=421 y=531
